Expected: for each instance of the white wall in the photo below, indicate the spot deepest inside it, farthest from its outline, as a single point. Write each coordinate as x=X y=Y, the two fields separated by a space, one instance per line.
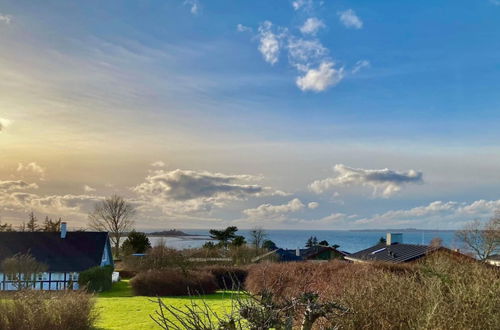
x=42 y=281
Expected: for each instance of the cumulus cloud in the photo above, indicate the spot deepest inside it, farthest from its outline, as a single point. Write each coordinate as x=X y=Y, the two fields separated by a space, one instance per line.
x=5 y=19
x=158 y=163
x=320 y=79
x=312 y=26
x=385 y=182
x=193 y=191
x=360 y=65
x=243 y=28
x=4 y=123
x=31 y=168
x=303 y=53
x=269 y=210
x=269 y=43
x=302 y=4
x=313 y=205
x=16 y=185
x=350 y=20
x=194 y=6
x=88 y=188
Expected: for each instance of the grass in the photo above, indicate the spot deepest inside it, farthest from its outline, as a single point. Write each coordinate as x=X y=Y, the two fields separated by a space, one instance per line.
x=119 y=309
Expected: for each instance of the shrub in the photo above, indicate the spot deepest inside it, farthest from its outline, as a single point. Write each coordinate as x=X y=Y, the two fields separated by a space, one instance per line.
x=228 y=277
x=439 y=292
x=96 y=279
x=39 y=310
x=158 y=258
x=171 y=282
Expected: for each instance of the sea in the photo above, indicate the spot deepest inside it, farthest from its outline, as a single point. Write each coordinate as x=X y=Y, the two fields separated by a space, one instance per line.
x=349 y=241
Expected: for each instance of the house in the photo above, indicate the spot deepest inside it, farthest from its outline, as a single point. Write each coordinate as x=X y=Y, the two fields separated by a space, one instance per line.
x=494 y=260
x=315 y=253
x=393 y=250
x=65 y=254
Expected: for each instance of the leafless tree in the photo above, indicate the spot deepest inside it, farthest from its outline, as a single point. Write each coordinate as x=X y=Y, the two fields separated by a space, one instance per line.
x=32 y=224
x=22 y=269
x=50 y=225
x=483 y=239
x=436 y=242
x=257 y=235
x=114 y=215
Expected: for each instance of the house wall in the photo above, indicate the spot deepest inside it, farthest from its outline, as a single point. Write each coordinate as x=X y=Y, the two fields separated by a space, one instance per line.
x=45 y=281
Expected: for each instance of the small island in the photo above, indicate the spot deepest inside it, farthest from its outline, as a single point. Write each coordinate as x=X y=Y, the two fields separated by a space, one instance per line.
x=171 y=233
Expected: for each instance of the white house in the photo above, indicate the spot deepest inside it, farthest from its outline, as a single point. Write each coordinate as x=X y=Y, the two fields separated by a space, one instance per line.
x=65 y=254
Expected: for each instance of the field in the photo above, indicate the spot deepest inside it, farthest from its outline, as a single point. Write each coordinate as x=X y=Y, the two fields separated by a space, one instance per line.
x=119 y=309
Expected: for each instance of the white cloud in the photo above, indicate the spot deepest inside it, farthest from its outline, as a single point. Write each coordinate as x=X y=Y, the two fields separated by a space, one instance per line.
x=313 y=205
x=4 y=123
x=192 y=191
x=270 y=211
x=360 y=65
x=495 y=2
x=350 y=19
x=303 y=53
x=16 y=185
x=5 y=19
x=88 y=188
x=312 y=26
x=320 y=79
x=243 y=28
x=385 y=182
x=31 y=168
x=158 y=163
x=302 y=4
x=269 y=43
x=194 y=6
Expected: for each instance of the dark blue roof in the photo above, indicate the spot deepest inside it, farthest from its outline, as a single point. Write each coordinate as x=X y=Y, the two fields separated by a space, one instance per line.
x=76 y=252
x=397 y=252
x=287 y=255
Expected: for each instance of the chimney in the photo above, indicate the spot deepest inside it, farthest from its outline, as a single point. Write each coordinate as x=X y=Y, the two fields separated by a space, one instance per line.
x=393 y=238
x=63 y=229
x=297 y=252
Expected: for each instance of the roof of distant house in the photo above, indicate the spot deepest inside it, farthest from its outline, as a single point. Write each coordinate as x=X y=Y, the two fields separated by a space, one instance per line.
x=397 y=252
x=494 y=257
x=76 y=252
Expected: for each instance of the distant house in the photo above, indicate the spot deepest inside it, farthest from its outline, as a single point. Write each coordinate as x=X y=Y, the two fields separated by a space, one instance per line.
x=315 y=253
x=65 y=254
x=393 y=250
x=493 y=260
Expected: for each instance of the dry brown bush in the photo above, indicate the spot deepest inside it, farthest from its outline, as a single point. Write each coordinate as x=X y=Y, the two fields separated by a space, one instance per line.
x=171 y=282
x=440 y=292
x=39 y=310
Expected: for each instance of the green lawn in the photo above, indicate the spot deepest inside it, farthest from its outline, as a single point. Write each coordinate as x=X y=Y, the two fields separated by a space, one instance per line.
x=119 y=309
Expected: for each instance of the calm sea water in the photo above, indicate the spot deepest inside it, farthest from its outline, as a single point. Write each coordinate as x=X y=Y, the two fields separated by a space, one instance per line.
x=350 y=241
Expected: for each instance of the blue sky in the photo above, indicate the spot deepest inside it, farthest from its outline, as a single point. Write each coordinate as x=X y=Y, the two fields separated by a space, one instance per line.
x=276 y=95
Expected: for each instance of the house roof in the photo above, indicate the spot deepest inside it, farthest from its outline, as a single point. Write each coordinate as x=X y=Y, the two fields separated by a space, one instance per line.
x=76 y=252
x=397 y=252
x=494 y=257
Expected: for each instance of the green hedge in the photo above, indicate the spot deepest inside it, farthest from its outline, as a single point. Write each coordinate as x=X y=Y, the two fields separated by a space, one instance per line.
x=96 y=279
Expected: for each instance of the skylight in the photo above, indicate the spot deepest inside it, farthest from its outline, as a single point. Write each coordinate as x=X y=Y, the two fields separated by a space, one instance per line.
x=377 y=251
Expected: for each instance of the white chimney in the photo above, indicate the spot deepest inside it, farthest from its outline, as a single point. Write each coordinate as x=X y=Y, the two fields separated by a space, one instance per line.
x=297 y=252
x=393 y=238
x=63 y=229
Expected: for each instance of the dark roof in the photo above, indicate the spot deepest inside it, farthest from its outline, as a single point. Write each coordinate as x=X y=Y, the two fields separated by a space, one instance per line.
x=287 y=255
x=397 y=252
x=494 y=257
x=76 y=252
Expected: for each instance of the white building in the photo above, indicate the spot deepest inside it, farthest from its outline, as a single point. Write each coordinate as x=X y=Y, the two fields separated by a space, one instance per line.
x=65 y=254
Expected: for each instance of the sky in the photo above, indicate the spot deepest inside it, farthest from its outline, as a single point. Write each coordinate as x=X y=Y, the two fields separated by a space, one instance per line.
x=282 y=114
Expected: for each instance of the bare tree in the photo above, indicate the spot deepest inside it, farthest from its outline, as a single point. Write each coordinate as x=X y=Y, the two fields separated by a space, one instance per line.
x=114 y=215
x=436 y=242
x=32 y=224
x=22 y=269
x=257 y=235
x=50 y=225
x=483 y=239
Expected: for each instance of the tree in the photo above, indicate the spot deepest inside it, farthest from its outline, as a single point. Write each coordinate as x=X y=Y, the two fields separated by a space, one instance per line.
x=269 y=245
x=114 y=215
x=382 y=240
x=50 y=225
x=225 y=236
x=22 y=269
x=311 y=241
x=323 y=243
x=238 y=241
x=5 y=227
x=32 y=224
x=482 y=239
x=257 y=237
x=136 y=242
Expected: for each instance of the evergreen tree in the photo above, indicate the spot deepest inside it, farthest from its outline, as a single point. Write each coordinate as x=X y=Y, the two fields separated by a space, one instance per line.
x=32 y=224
